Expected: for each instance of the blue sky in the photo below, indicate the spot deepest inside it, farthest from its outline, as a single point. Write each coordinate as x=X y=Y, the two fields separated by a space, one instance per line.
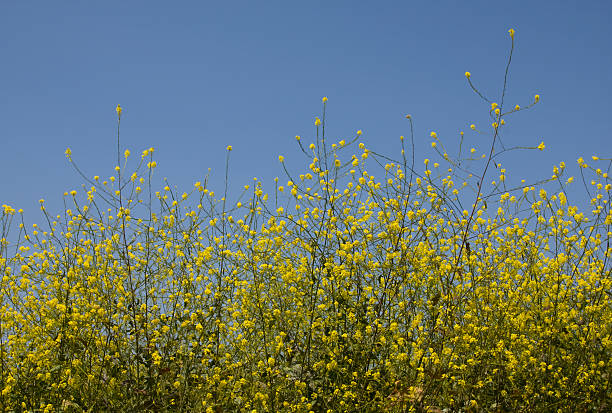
x=194 y=77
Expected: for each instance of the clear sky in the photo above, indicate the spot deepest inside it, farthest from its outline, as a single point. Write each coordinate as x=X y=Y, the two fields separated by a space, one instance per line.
x=196 y=76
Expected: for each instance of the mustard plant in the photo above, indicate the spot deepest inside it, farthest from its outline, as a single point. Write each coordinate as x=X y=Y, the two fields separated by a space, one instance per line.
x=426 y=288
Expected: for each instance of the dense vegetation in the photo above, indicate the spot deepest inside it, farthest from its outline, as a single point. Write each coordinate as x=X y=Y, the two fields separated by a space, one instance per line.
x=423 y=290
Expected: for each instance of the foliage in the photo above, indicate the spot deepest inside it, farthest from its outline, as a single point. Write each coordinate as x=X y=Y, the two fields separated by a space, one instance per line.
x=338 y=292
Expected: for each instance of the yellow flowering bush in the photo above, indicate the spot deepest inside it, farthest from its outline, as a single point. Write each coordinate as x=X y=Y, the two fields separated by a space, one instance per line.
x=416 y=290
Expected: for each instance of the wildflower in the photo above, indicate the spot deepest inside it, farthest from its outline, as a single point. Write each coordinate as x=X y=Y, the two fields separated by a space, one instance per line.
x=541 y=146
x=537 y=98
x=408 y=116
x=359 y=132
x=118 y=110
x=281 y=158
x=473 y=127
x=7 y=209
x=511 y=32
x=126 y=153
x=468 y=74
x=433 y=135
x=68 y=153
x=297 y=137
x=324 y=99
x=229 y=147
x=317 y=121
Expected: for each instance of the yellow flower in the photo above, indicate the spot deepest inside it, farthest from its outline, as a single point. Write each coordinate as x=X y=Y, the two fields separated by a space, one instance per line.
x=468 y=74
x=317 y=121
x=324 y=99
x=118 y=110
x=126 y=153
x=517 y=107
x=408 y=116
x=229 y=147
x=541 y=146
x=68 y=153
x=297 y=137
x=433 y=135
x=281 y=159
x=337 y=163
x=511 y=32
x=359 y=132
x=595 y=158
x=472 y=126
x=537 y=98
